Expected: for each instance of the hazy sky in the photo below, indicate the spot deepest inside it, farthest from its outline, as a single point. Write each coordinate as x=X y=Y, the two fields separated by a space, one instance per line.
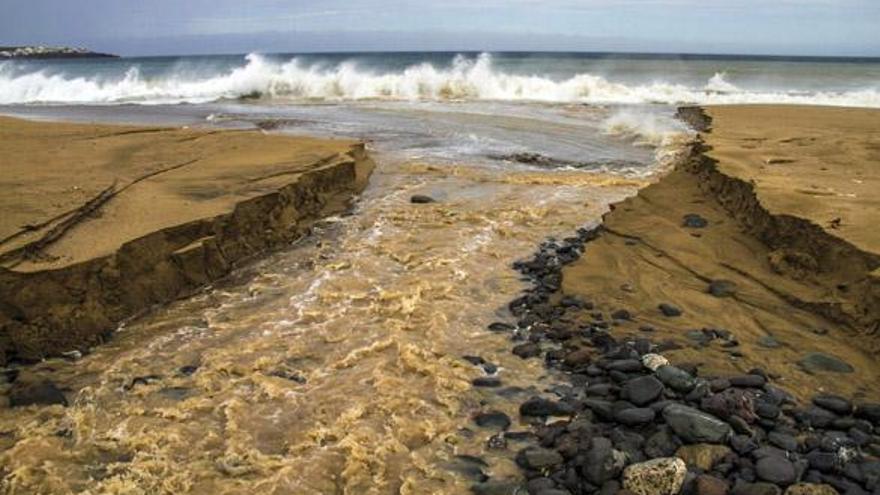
x=138 y=27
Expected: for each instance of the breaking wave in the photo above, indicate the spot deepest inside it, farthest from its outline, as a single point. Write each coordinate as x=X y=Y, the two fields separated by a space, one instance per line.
x=465 y=79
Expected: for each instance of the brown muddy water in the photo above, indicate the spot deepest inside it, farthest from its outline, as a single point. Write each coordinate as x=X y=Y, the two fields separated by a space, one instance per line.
x=332 y=367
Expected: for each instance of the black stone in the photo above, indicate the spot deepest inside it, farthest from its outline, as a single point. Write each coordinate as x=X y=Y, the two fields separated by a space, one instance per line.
x=669 y=310
x=527 y=350
x=421 y=199
x=42 y=393
x=622 y=314
x=501 y=327
x=833 y=403
x=642 y=390
x=869 y=411
x=493 y=419
x=722 y=288
x=776 y=469
x=751 y=381
x=600 y=463
x=676 y=378
x=625 y=365
x=537 y=406
x=487 y=382
x=694 y=221
x=538 y=458
x=635 y=416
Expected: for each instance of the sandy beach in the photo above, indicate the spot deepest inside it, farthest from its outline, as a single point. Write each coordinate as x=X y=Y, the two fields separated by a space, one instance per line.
x=787 y=195
x=101 y=222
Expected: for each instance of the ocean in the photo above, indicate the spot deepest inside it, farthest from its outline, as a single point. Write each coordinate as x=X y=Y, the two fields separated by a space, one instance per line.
x=446 y=106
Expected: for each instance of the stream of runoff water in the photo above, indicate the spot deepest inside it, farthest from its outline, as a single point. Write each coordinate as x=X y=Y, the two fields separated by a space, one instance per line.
x=336 y=366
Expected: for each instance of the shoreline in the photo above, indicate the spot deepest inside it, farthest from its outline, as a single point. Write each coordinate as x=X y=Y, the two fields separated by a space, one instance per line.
x=644 y=404
x=128 y=231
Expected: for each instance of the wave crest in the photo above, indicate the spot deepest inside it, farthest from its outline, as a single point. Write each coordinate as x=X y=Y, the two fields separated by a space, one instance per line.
x=465 y=79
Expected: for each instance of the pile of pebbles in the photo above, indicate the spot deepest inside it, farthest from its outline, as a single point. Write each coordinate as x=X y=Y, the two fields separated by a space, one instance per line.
x=629 y=422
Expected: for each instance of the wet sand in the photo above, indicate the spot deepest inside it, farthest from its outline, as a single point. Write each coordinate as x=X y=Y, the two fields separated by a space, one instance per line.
x=788 y=196
x=100 y=222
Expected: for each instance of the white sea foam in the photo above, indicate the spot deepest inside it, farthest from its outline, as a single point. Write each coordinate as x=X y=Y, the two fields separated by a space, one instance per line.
x=465 y=79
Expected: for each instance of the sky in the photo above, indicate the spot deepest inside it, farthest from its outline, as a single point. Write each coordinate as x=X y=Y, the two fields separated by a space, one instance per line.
x=168 y=27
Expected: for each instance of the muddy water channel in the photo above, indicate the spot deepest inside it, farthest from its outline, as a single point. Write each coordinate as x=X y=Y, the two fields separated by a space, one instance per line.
x=335 y=366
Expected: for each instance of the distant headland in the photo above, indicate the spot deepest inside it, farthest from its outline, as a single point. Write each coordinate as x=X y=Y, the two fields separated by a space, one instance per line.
x=31 y=52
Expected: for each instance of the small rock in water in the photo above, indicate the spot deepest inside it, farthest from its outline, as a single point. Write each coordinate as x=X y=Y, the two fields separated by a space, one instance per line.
x=421 y=199
x=527 y=350
x=769 y=342
x=819 y=362
x=694 y=221
x=669 y=310
x=487 y=381
x=501 y=327
x=537 y=406
x=663 y=476
x=622 y=314
x=42 y=393
x=493 y=419
x=722 y=288
x=496 y=487
x=188 y=369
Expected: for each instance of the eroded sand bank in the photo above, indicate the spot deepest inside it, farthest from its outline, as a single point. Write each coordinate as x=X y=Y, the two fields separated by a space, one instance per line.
x=100 y=222
x=778 y=208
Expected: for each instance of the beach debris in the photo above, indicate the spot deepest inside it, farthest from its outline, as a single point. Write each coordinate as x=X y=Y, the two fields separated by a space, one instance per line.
x=421 y=199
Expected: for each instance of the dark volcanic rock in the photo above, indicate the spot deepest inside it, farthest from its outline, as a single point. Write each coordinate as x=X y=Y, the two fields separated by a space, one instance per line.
x=695 y=426
x=537 y=406
x=501 y=327
x=42 y=393
x=602 y=462
x=869 y=411
x=833 y=403
x=669 y=310
x=493 y=419
x=635 y=416
x=820 y=362
x=755 y=489
x=676 y=378
x=752 y=381
x=663 y=443
x=527 y=350
x=775 y=469
x=538 y=458
x=642 y=390
x=722 y=288
x=421 y=199
x=622 y=314
x=487 y=382
x=694 y=221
